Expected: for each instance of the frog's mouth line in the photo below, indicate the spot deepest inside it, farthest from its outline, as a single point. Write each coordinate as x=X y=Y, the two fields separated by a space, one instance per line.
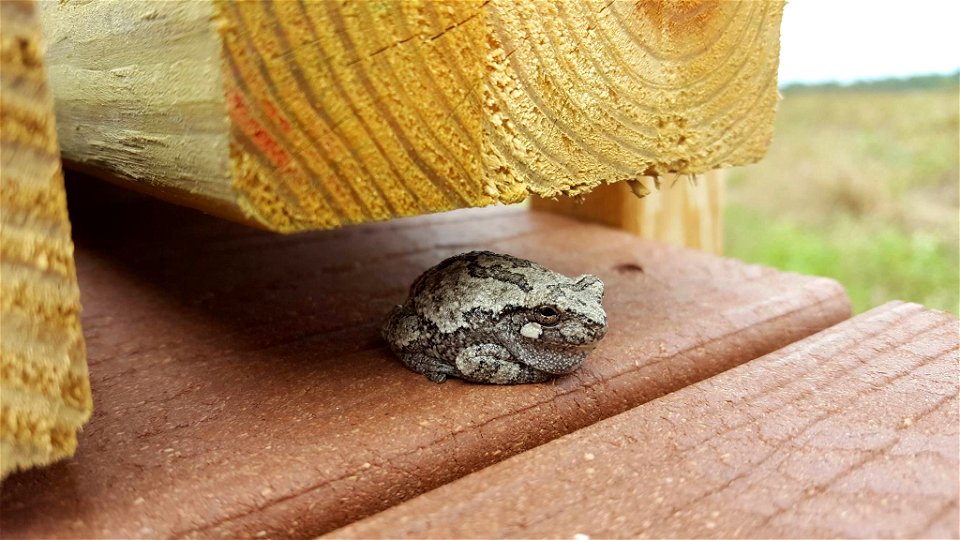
x=566 y=346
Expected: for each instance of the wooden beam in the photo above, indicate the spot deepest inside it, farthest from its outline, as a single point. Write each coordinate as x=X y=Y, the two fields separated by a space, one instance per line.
x=686 y=212
x=44 y=388
x=297 y=115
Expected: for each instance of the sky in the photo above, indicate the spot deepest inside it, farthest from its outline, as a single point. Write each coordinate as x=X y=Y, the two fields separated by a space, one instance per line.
x=847 y=40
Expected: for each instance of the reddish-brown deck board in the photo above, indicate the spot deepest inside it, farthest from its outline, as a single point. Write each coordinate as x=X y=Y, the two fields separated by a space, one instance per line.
x=241 y=387
x=849 y=433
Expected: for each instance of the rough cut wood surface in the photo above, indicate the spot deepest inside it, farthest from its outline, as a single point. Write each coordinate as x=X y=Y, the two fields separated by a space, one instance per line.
x=44 y=390
x=242 y=385
x=297 y=115
x=851 y=433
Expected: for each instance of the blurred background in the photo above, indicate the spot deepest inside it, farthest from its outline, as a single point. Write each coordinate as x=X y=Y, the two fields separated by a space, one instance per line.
x=862 y=181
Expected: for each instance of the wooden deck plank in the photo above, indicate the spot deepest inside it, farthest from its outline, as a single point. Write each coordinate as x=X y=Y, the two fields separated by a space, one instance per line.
x=241 y=387
x=850 y=433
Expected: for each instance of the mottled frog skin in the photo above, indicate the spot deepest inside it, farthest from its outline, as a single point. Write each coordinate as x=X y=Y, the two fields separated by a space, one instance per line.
x=491 y=318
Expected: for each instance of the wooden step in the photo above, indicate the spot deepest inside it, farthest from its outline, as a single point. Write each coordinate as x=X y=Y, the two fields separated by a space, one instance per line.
x=242 y=389
x=848 y=433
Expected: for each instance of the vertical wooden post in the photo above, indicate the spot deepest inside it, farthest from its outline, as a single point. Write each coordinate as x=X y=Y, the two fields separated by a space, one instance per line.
x=44 y=388
x=681 y=213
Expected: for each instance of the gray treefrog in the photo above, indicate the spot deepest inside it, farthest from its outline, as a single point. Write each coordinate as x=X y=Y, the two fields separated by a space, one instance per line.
x=491 y=318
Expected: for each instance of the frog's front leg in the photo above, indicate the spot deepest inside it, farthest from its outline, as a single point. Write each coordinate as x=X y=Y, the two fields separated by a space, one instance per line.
x=491 y=363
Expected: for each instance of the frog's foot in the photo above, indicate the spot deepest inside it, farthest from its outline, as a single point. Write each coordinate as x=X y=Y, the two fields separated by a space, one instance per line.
x=493 y=364
x=436 y=376
x=430 y=368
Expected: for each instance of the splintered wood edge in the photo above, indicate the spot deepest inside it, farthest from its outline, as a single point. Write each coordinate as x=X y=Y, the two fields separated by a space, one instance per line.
x=44 y=387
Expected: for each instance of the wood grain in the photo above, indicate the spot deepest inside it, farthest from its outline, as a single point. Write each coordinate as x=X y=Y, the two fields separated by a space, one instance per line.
x=296 y=115
x=44 y=389
x=849 y=433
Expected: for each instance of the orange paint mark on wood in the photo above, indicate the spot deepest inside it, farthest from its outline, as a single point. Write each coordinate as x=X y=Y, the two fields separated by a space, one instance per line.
x=240 y=113
x=274 y=114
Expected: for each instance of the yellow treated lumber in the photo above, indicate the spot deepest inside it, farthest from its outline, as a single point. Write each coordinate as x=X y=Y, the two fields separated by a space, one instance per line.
x=299 y=115
x=685 y=212
x=44 y=388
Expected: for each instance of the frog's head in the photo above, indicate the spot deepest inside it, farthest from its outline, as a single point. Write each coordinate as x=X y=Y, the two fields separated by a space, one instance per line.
x=562 y=322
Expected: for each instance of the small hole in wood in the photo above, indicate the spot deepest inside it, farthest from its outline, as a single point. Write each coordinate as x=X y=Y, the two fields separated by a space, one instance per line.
x=629 y=267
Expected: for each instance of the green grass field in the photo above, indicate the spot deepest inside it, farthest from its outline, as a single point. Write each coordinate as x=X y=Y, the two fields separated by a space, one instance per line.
x=861 y=185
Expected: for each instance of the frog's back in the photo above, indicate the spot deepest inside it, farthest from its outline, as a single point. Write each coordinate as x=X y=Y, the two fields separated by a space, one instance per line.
x=478 y=281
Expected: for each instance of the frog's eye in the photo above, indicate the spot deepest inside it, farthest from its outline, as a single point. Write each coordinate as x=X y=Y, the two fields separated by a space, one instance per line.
x=547 y=315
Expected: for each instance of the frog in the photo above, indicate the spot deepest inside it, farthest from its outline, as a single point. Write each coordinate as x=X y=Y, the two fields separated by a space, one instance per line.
x=494 y=318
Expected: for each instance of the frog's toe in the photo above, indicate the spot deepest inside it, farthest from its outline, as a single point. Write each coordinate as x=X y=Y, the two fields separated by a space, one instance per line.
x=436 y=376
